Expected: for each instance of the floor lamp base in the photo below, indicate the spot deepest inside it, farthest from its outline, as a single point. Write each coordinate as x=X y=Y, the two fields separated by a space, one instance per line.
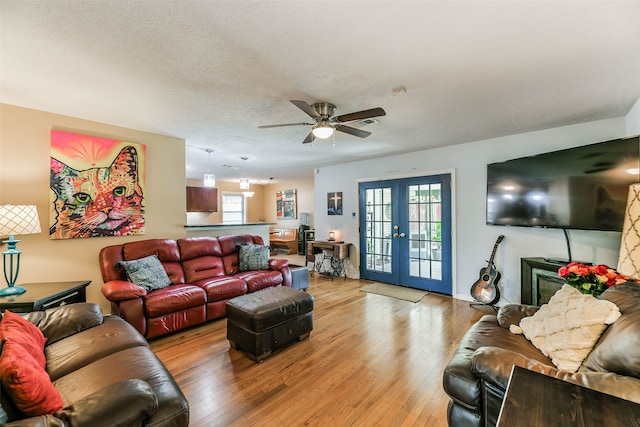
x=12 y=290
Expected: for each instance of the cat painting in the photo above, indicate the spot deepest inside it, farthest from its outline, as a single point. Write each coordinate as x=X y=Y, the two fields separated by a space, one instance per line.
x=99 y=201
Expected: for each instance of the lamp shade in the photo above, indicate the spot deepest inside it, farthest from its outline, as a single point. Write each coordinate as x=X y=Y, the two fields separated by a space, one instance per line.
x=19 y=219
x=629 y=259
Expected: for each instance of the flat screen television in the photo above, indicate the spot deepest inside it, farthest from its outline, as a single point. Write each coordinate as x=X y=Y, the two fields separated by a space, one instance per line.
x=581 y=188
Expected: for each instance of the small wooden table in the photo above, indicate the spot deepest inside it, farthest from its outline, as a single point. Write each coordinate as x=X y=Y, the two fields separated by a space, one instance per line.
x=40 y=296
x=534 y=400
x=340 y=252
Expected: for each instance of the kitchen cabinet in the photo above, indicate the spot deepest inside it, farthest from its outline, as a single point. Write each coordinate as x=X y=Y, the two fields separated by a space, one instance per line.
x=201 y=199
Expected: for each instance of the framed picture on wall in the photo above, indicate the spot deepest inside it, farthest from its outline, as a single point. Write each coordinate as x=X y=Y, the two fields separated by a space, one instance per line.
x=97 y=187
x=334 y=203
x=286 y=206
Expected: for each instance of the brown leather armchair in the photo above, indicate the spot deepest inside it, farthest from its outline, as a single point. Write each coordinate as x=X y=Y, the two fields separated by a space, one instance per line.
x=477 y=376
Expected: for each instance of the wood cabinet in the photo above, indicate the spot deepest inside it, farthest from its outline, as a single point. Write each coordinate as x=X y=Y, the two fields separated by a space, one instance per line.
x=200 y=199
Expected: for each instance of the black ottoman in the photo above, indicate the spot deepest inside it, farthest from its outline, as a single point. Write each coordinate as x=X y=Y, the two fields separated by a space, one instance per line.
x=262 y=322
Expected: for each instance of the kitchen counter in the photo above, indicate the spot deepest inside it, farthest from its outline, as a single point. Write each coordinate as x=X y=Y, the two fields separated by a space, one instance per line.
x=255 y=228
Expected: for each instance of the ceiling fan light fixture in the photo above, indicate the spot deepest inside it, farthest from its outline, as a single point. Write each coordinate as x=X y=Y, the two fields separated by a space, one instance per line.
x=323 y=130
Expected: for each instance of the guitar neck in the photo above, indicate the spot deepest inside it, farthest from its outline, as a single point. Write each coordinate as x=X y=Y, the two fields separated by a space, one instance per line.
x=493 y=255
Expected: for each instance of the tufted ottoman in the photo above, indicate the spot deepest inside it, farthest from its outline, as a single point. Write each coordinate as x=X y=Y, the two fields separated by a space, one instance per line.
x=262 y=322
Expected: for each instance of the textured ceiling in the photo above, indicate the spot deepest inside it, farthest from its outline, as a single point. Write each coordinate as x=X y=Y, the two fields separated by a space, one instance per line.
x=211 y=72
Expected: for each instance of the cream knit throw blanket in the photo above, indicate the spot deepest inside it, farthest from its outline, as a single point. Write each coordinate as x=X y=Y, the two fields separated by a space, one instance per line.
x=566 y=329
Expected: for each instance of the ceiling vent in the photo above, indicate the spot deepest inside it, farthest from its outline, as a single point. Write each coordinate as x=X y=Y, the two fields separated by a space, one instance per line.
x=364 y=122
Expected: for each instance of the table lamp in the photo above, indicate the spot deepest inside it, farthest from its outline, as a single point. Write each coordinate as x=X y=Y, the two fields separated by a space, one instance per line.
x=15 y=220
x=629 y=259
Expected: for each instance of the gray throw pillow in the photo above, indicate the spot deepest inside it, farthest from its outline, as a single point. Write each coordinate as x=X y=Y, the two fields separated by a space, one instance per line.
x=254 y=257
x=146 y=272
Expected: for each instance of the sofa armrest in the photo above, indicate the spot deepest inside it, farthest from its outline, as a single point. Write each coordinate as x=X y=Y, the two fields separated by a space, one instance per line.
x=126 y=402
x=512 y=314
x=120 y=290
x=621 y=386
x=278 y=263
x=493 y=365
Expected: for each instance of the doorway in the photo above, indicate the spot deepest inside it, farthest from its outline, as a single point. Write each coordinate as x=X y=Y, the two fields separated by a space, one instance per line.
x=405 y=232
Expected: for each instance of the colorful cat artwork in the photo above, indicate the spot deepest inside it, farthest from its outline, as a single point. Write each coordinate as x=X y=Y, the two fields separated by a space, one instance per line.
x=99 y=201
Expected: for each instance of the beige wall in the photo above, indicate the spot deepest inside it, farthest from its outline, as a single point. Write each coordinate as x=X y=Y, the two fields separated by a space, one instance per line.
x=24 y=179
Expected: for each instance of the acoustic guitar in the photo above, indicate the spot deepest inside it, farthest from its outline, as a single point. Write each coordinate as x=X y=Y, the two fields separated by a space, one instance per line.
x=485 y=290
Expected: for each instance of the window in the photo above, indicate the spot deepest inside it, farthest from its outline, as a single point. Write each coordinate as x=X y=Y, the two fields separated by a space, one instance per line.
x=233 y=208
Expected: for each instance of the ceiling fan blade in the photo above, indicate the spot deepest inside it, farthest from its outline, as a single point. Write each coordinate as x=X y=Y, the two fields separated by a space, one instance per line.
x=284 y=124
x=360 y=115
x=309 y=138
x=353 y=131
x=306 y=108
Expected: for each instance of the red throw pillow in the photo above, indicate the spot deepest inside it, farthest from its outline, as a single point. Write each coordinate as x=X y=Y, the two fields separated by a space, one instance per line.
x=17 y=329
x=27 y=383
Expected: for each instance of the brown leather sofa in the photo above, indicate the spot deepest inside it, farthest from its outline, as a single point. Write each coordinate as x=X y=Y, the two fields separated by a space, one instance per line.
x=104 y=371
x=204 y=275
x=477 y=376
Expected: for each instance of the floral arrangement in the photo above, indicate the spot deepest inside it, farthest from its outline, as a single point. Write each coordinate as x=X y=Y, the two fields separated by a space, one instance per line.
x=591 y=279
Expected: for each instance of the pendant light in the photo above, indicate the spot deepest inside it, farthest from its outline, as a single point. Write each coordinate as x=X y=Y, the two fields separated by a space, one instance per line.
x=209 y=178
x=244 y=181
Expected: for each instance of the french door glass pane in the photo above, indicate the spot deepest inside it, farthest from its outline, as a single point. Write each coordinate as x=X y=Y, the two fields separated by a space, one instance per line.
x=378 y=229
x=425 y=223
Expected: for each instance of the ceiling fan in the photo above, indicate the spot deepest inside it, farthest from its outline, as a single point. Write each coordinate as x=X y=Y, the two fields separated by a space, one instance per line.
x=326 y=123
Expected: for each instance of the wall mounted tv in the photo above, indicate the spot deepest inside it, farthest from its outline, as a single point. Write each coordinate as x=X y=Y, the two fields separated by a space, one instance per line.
x=581 y=188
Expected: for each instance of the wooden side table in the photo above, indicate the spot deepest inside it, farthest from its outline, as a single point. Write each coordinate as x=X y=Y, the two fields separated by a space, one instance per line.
x=340 y=252
x=40 y=296
x=534 y=400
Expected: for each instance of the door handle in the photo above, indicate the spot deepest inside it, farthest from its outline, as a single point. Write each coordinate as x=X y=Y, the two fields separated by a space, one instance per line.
x=399 y=234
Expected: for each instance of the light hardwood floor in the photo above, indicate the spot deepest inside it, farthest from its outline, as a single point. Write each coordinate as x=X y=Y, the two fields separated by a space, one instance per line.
x=371 y=360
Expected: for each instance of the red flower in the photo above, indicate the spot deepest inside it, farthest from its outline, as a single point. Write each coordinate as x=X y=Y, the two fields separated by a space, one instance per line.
x=563 y=272
x=602 y=270
x=583 y=270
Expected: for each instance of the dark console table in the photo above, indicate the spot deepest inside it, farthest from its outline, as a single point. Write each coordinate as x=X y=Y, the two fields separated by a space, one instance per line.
x=40 y=296
x=534 y=400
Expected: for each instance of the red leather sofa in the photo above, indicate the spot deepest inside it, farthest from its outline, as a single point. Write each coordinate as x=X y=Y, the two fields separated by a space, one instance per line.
x=204 y=275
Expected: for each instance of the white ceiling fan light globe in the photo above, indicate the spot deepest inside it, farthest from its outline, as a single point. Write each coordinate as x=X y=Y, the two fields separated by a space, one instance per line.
x=322 y=131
